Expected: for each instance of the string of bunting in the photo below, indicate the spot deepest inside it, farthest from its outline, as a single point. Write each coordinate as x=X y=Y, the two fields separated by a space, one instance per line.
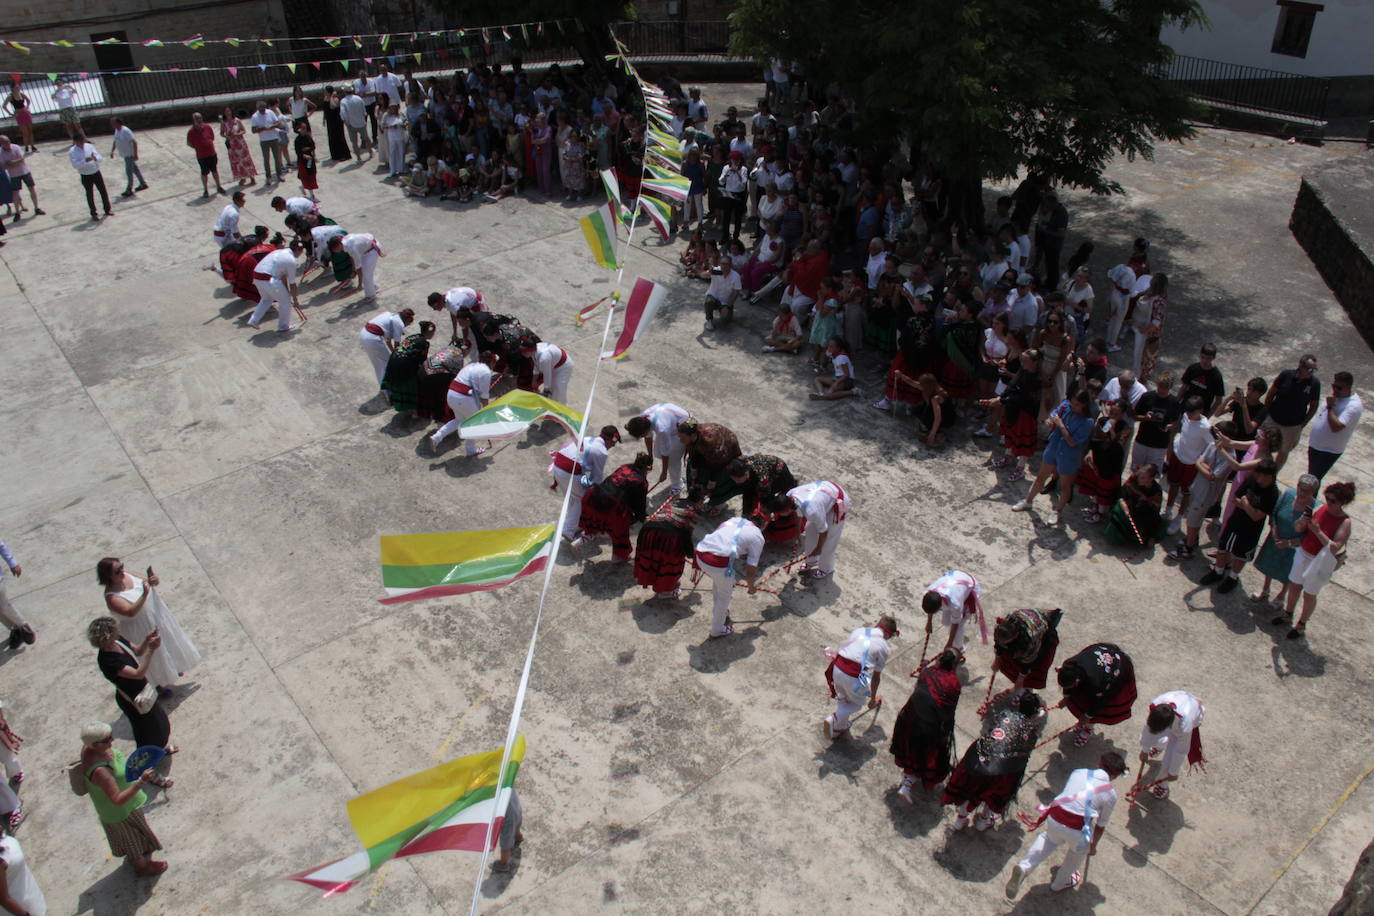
x=198 y=41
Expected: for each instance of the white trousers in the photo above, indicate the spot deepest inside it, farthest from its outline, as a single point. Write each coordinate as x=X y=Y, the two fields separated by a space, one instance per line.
x=1175 y=752
x=1052 y=836
x=11 y=761
x=1139 y=349
x=848 y=701
x=1116 y=315
x=273 y=292
x=673 y=450
x=826 y=561
x=799 y=304
x=377 y=352
x=722 y=587
x=368 y=270
x=574 y=484
x=9 y=614
x=396 y=154
x=558 y=384
x=463 y=406
x=695 y=204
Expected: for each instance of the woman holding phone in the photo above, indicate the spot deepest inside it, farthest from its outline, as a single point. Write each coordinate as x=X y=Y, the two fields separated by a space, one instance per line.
x=139 y=610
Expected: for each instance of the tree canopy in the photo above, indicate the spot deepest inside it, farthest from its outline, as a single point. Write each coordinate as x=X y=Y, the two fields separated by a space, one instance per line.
x=989 y=88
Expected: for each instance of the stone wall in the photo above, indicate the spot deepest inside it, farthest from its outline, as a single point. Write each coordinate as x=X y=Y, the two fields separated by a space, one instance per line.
x=1326 y=222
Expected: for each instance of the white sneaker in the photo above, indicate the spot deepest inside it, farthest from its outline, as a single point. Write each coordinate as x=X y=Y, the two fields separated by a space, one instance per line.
x=1053 y=519
x=984 y=821
x=1114 y=348
x=1021 y=506
x=882 y=404
x=1014 y=882
x=982 y=432
x=904 y=790
x=1176 y=524
x=769 y=349
x=710 y=325
x=825 y=729
x=960 y=822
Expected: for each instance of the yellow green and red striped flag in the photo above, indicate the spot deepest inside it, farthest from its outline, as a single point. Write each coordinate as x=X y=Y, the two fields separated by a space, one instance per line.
x=513 y=412
x=443 y=808
x=599 y=229
x=419 y=566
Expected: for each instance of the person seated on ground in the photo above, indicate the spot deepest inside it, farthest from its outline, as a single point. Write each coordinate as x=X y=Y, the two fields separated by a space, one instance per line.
x=786 y=334
x=842 y=385
x=446 y=178
x=489 y=172
x=422 y=179
x=934 y=409
x=701 y=268
x=693 y=257
x=1134 y=520
x=507 y=179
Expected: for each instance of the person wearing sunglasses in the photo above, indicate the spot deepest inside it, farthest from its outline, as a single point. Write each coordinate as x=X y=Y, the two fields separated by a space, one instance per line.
x=1333 y=425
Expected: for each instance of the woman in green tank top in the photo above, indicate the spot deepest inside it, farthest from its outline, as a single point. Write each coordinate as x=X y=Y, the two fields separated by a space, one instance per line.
x=118 y=801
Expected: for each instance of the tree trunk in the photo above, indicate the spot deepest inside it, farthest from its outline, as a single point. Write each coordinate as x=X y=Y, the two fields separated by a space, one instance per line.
x=964 y=203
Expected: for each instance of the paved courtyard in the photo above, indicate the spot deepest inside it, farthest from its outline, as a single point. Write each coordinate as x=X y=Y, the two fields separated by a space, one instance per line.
x=664 y=774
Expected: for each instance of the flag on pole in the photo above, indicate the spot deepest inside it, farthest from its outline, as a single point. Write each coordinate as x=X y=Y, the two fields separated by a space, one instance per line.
x=599 y=229
x=661 y=138
x=613 y=191
x=660 y=213
x=643 y=304
x=514 y=412
x=671 y=188
x=419 y=566
x=586 y=312
x=443 y=808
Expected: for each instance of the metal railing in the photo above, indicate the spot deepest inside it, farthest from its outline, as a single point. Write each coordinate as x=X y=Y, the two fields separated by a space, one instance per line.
x=1270 y=91
x=672 y=37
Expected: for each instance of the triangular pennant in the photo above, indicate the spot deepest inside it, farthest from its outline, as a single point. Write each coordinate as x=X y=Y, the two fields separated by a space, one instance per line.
x=386 y=42
x=332 y=42
x=524 y=33
x=266 y=41
x=17 y=46
x=291 y=67
x=315 y=64
x=63 y=43
x=345 y=62
x=367 y=60
x=83 y=74
x=232 y=41
x=233 y=71
x=144 y=69
x=262 y=67
x=152 y=43
x=416 y=55
x=486 y=35
x=504 y=33
x=357 y=42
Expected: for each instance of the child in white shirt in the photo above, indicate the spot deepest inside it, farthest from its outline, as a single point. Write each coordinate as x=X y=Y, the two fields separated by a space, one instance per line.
x=842 y=385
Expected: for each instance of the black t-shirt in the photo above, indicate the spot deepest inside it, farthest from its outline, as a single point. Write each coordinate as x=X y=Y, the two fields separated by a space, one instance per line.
x=113 y=661
x=1257 y=414
x=1205 y=382
x=1154 y=415
x=1291 y=397
x=1263 y=498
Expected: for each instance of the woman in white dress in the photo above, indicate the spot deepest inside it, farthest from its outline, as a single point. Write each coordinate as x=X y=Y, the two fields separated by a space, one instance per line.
x=20 y=890
x=139 y=609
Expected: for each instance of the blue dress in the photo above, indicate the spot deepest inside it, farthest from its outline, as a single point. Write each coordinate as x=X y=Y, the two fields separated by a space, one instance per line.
x=1275 y=561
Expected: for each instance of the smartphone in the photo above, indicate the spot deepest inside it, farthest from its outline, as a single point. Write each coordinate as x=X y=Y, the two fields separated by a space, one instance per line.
x=150 y=572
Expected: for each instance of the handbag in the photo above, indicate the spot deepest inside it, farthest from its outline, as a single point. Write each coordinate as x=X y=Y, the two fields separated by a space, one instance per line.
x=146 y=699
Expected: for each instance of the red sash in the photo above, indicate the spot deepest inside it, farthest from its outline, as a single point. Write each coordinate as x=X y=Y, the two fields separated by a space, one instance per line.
x=713 y=559
x=374 y=329
x=1067 y=818
x=564 y=463
x=562 y=357
x=459 y=387
x=257 y=275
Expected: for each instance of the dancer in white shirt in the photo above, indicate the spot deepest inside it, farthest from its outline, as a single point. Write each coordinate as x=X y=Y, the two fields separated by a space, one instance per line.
x=553 y=367
x=737 y=542
x=957 y=598
x=364 y=251
x=578 y=467
x=468 y=393
x=458 y=300
x=854 y=672
x=227 y=224
x=275 y=277
x=823 y=505
x=657 y=426
x=1174 y=729
x=379 y=336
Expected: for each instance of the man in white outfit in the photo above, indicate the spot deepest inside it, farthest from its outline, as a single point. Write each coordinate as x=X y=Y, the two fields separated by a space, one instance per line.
x=855 y=670
x=468 y=393
x=553 y=368
x=275 y=278
x=579 y=467
x=823 y=506
x=227 y=224
x=736 y=542
x=363 y=250
x=379 y=336
x=320 y=237
x=1077 y=817
x=457 y=300
x=958 y=599
x=1122 y=280
x=1140 y=319
x=295 y=206
x=1173 y=728
x=657 y=426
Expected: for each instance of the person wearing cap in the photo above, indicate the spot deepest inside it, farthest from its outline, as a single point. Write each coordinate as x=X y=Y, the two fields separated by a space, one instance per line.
x=734 y=186
x=1023 y=305
x=578 y=466
x=1077 y=818
x=553 y=367
x=379 y=336
x=227 y=224
x=855 y=671
x=468 y=393
x=736 y=542
x=458 y=300
x=118 y=801
x=275 y=278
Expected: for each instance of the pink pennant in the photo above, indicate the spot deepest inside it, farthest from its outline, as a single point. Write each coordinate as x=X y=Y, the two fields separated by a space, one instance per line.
x=367 y=59
x=83 y=75
x=233 y=71
x=315 y=64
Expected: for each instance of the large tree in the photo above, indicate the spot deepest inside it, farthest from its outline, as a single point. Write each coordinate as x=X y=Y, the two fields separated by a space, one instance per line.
x=989 y=88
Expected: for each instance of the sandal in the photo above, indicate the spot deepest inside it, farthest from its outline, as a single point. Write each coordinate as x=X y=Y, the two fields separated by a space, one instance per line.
x=1282 y=619
x=153 y=867
x=172 y=749
x=1298 y=632
x=162 y=782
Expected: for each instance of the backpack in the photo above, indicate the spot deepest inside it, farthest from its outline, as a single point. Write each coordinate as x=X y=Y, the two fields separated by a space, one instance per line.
x=76 y=778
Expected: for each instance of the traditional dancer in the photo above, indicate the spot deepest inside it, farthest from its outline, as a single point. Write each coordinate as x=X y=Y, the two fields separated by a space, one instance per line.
x=468 y=393
x=275 y=278
x=662 y=548
x=1018 y=403
x=923 y=738
x=296 y=206
x=613 y=505
x=227 y=223
x=822 y=506
x=579 y=466
x=1099 y=686
x=379 y=336
x=709 y=449
x=736 y=540
x=854 y=672
x=244 y=285
x=553 y=369
x=320 y=237
x=1173 y=728
x=362 y=249
x=457 y=300
x=994 y=765
x=1077 y=817
x=1024 y=643
x=957 y=598
x=777 y=516
x=657 y=426
x=757 y=478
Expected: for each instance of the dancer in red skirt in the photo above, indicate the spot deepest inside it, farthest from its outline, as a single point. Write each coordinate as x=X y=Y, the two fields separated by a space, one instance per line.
x=778 y=519
x=1020 y=404
x=244 y=287
x=923 y=737
x=1099 y=686
x=1024 y=643
x=1100 y=475
x=994 y=765
x=613 y=505
x=663 y=547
